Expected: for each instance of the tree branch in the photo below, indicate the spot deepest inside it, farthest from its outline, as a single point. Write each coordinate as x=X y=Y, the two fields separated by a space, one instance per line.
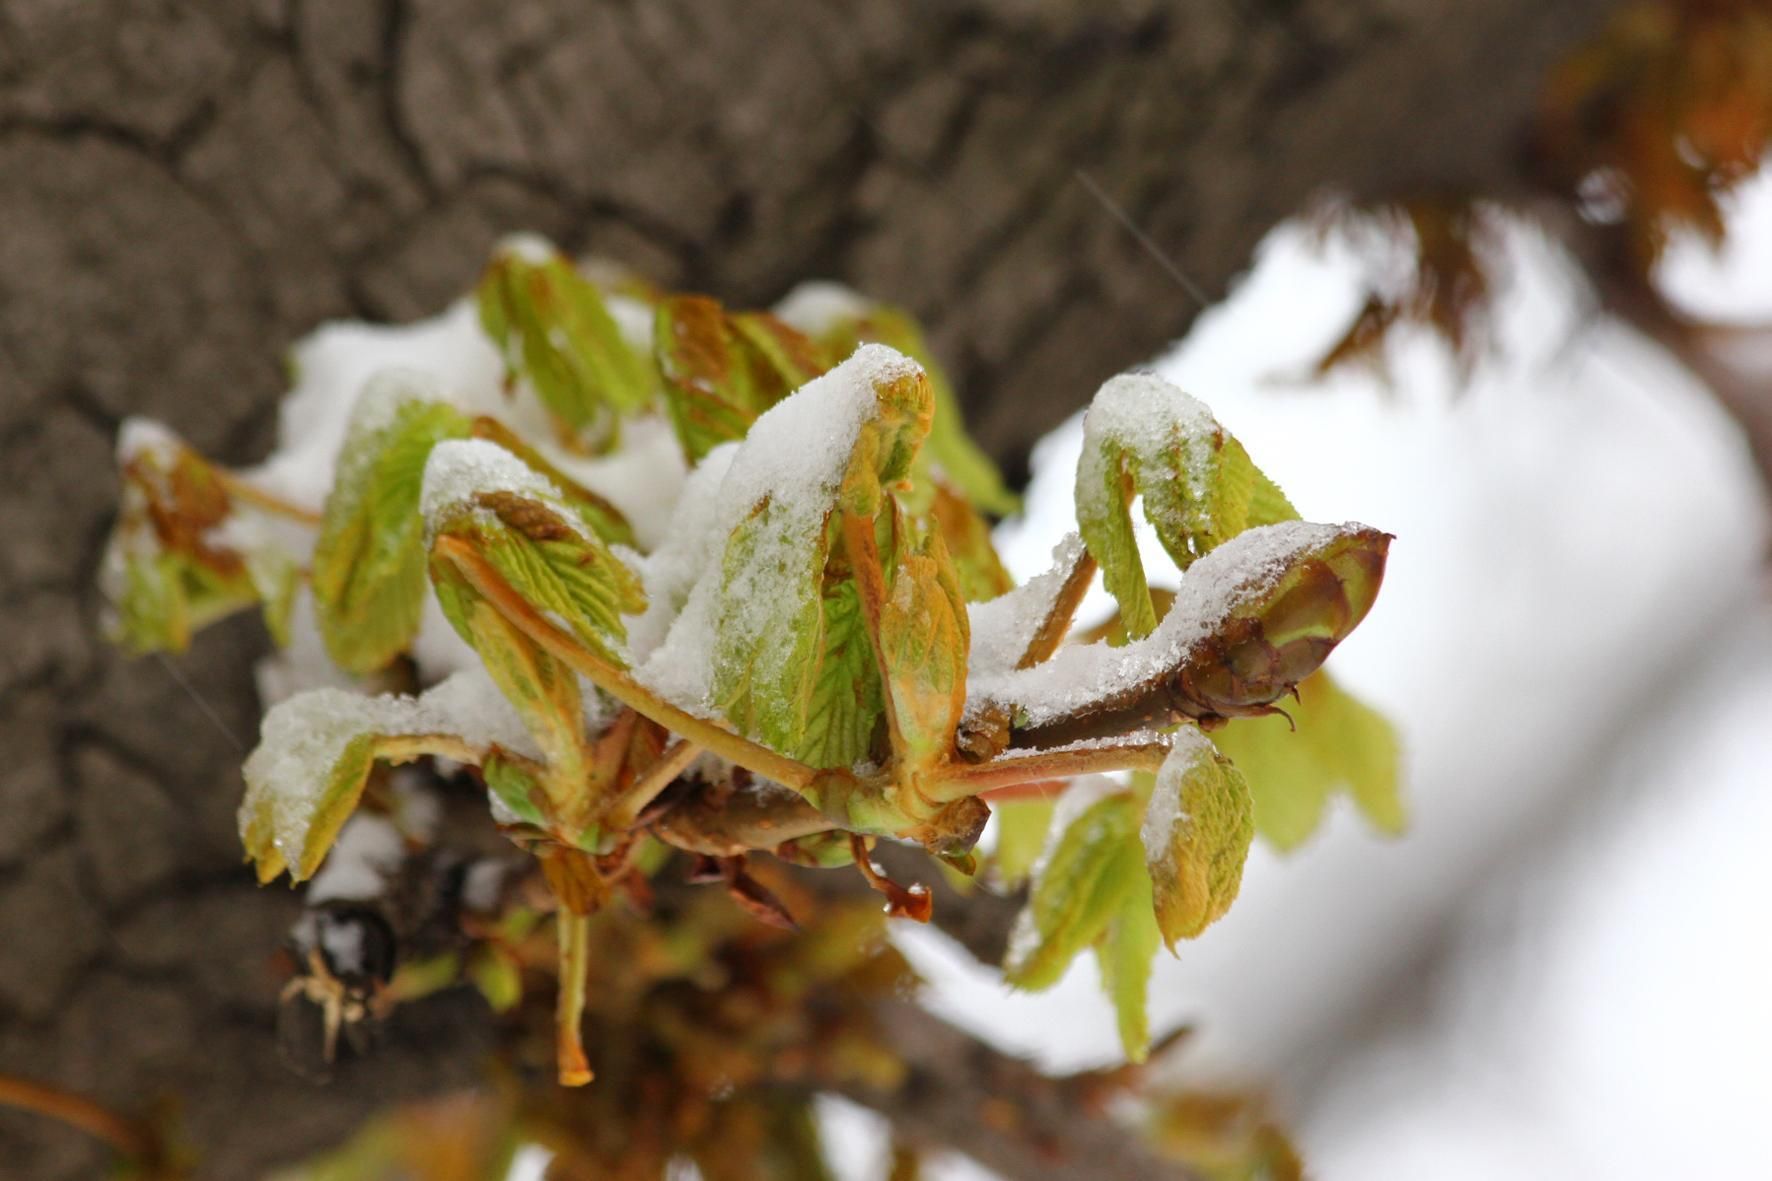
x=1000 y=1111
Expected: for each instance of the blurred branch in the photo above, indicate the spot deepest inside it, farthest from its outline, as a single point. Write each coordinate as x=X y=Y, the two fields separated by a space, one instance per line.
x=1625 y=291
x=1002 y=1112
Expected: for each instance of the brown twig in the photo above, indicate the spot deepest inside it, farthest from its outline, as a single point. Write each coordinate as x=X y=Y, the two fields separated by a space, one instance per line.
x=134 y=1139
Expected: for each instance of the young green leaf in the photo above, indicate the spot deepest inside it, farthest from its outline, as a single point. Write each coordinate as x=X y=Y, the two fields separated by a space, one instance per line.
x=1197 y=829
x=1124 y=952
x=482 y=495
x=551 y=325
x=842 y=437
x=1021 y=834
x=845 y=706
x=369 y=561
x=1078 y=883
x=1143 y=436
x=1340 y=743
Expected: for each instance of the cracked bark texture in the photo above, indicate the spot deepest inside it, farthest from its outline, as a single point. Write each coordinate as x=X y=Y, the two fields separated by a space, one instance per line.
x=186 y=188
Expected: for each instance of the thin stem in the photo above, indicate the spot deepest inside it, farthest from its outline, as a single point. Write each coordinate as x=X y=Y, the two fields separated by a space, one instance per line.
x=1016 y=767
x=575 y=945
x=257 y=497
x=1052 y=630
x=659 y=776
x=130 y=1137
x=616 y=682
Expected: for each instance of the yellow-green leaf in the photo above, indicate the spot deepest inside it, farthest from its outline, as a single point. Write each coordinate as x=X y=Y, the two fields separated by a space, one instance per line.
x=551 y=325
x=1341 y=744
x=1078 y=883
x=1197 y=828
x=845 y=704
x=1124 y=952
x=176 y=559
x=923 y=641
x=842 y=438
x=518 y=522
x=1021 y=834
x=369 y=561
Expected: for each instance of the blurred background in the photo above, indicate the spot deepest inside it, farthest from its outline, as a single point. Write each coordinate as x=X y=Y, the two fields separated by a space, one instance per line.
x=1496 y=277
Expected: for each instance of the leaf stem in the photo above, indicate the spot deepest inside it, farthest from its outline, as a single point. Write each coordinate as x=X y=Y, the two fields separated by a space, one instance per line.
x=575 y=946
x=1014 y=768
x=658 y=776
x=238 y=489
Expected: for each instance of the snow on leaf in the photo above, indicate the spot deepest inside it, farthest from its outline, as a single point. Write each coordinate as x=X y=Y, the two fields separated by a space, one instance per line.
x=1250 y=620
x=1341 y=743
x=369 y=561
x=1143 y=436
x=751 y=572
x=520 y=524
x=315 y=751
x=840 y=320
x=1197 y=828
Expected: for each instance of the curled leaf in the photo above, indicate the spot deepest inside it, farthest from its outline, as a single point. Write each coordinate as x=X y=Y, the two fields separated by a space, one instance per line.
x=1251 y=619
x=1144 y=437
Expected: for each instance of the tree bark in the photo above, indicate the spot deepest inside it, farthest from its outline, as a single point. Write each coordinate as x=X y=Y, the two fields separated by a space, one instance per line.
x=187 y=189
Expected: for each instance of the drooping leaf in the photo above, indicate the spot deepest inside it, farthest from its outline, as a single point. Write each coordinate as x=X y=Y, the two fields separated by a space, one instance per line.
x=1341 y=744
x=1078 y=883
x=1196 y=832
x=1021 y=834
x=553 y=328
x=1144 y=437
x=308 y=771
x=369 y=561
x=546 y=695
x=1124 y=952
x=1250 y=620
